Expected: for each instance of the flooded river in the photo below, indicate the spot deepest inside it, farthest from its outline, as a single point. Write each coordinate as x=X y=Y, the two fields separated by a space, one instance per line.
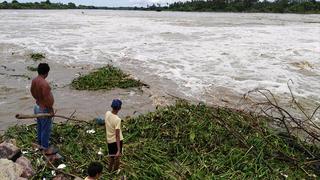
x=210 y=57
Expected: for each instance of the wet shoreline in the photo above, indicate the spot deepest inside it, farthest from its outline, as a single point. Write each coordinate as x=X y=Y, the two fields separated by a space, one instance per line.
x=15 y=97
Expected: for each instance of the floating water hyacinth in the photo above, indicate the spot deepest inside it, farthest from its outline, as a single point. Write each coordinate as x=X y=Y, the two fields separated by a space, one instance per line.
x=37 y=56
x=196 y=142
x=107 y=78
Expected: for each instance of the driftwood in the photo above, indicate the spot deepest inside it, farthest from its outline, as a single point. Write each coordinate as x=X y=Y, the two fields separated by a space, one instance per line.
x=31 y=116
x=281 y=117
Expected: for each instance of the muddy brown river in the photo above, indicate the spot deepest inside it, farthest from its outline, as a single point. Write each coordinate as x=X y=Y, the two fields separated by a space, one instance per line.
x=209 y=57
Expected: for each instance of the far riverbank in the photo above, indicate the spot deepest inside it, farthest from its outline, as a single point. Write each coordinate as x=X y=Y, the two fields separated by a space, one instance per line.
x=281 y=6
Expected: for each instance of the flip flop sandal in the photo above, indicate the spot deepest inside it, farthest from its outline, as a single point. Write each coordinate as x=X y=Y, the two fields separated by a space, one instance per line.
x=53 y=151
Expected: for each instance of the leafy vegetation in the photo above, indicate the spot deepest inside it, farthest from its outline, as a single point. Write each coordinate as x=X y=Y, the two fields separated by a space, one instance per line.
x=108 y=77
x=183 y=141
x=37 y=56
x=277 y=6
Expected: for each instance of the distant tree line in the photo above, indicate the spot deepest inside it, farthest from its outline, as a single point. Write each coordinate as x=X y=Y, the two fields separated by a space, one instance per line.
x=41 y=5
x=277 y=6
x=49 y=5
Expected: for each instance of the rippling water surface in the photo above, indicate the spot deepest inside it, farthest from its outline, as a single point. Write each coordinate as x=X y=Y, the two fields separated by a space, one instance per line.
x=191 y=54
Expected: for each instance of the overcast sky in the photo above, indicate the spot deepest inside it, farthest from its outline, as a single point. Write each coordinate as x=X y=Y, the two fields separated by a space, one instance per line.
x=113 y=3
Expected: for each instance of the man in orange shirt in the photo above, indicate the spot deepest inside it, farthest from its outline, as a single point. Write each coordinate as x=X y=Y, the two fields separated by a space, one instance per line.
x=41 y=92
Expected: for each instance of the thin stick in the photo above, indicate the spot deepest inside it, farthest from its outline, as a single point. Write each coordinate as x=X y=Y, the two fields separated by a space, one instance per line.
x=24 y=116
x=72 y=114
x=300 y=107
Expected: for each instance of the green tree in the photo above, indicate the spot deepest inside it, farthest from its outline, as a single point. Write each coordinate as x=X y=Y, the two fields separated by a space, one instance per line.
x=71 y=5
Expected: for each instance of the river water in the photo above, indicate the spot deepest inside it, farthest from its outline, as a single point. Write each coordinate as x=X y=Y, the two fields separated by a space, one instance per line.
x=199 y=56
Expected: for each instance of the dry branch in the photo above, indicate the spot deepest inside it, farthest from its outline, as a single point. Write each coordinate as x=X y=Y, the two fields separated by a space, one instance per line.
x=25 y=116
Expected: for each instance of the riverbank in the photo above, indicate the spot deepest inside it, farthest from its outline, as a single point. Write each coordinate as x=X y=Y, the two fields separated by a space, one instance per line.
x=204 y=57
x=306 y=7
x=180 y=141
x=15 y=94
x=18 y=67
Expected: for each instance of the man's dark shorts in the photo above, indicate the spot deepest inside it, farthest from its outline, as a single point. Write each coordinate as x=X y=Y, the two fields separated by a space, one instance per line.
x=112 y=148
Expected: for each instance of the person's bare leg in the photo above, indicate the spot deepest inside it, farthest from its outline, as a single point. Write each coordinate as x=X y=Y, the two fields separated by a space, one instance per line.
x=116 y=163
x=111 y=164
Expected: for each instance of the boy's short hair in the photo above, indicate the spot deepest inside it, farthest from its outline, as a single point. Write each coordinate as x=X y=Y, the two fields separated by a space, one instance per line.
x=116 y=104
x=43 y=69
x=94 y=169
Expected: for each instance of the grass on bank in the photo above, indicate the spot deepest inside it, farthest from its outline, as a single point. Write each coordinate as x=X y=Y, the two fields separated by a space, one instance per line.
x=37 y=56
x=183 y=141
x=107 y=78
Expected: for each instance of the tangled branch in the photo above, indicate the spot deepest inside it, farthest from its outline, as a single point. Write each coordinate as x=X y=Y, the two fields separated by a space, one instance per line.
x=271 y=108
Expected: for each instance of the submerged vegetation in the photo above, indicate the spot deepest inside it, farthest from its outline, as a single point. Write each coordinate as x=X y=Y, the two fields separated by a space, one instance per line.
x=37 y=56
x=182 y=141
x=107 y=77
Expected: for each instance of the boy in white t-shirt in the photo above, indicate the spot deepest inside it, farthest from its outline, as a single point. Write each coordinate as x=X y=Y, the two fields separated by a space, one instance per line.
x=114 y=135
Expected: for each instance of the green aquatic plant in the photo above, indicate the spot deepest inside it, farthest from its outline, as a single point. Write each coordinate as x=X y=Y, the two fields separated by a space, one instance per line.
x=183 y=141
x=37 y=56
x=107 y=77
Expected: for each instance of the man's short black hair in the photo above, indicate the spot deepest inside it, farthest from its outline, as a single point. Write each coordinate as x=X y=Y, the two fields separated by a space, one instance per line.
x=43 y=69
x=94 y=169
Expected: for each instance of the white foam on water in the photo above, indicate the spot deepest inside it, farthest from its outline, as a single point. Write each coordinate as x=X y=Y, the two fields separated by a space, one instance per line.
x=196 y=51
